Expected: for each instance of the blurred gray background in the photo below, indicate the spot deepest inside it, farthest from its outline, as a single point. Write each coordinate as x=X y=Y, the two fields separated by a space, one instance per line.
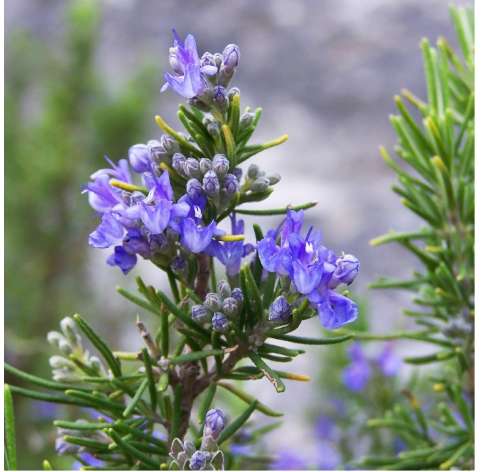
x=324 y=72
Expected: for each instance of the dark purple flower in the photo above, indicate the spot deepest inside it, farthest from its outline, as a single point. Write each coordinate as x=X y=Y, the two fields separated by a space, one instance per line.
x=357 y=374
x=187 y=79
x=122 y=259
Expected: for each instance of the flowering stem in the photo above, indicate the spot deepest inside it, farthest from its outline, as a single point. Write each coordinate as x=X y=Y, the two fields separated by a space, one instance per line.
x=202 y=275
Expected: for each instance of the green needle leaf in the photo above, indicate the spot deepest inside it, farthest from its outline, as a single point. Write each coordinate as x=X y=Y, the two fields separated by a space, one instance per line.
x=269 y=373
x=318 y=341
x=136 y=398
x=233 y=427
x=9 y=425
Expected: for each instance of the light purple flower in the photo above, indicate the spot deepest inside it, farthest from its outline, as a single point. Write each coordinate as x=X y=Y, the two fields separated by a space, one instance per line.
x=187 y=80
x=388 y=361
x=357 y=374
x=288 y=460
x=197 y=237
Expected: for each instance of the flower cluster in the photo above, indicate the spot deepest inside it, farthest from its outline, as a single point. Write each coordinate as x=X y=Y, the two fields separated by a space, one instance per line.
x=145 y=219
x=219 y=307
x=202 y=80
x=258 y=181
x=69 y=343
x=314 y=270
x=208 y=178
x=360 y=369
x=209 y=457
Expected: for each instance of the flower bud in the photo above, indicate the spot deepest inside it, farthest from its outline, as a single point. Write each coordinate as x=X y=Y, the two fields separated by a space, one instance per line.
x=220 y=165
x=237 y=171
x=191 y=167
x=212 y=301
x=280 y=310
x=223 y=288
x=261 y=184
x=205 y=165
x=54 y=338
x=198 y=461
x=213 y=129
x=230 y=306
x=238 y=295
x=178 y=265
x=207 y=59
x=65 y=346
x=253 y=171
x=274 y=178
x=210 y=183
x=231 y=56
x=230 y=184
x=178 y=161
x=69 y=329
x=246 y=120
x=200 y=313
x=220 y=97
x=169 y=144
x=214 y=422
x=157 y=151
x=194 y=188
x=347 y=267
x=220 y=323
x=139 y=158
x=232 y=92
x=59 y=362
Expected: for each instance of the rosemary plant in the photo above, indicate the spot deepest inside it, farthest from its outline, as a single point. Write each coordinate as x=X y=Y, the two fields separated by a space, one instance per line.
x=436 y=181
x=229 y=301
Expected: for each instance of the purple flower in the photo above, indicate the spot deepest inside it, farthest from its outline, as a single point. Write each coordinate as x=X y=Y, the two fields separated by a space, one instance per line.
x=140 y=158
x=122 y=259
x=347 y=267
x=336 y=310
x=357 y=374
x=197 y=237
x=311 y=268
x=108 y=232
x=230 y=254
x=156 y=216
x=325 y=427
x=287 y=460
x=187 y=80
x=389 y=363
x=210 y=183
x=329 y=456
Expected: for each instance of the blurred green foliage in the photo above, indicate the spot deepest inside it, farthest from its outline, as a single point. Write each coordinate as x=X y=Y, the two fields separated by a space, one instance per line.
x=60 y=121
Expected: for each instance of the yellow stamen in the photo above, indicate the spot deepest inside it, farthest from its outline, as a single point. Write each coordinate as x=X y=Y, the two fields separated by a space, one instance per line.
x=231 y=237
x=126 y=186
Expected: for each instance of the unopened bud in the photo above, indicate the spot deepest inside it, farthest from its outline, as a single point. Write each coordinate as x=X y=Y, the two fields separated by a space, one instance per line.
x=231 y=56
x=200 y=313
x=178 y=161
x=223 y=288
x=194 y=188
x=69 y=329
x=212 y=301
x=253 y=171
x=230 y=184
x=214 y=422
x=280 y=310
x=220 y=323
x=191 y=167
x=220 y=165
x=205 y=165
x=210 y=183
x=261 y=184
x=246 y=120
x=238 y=295
x=274 y=178
x=230 y=306
x=139 y=158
